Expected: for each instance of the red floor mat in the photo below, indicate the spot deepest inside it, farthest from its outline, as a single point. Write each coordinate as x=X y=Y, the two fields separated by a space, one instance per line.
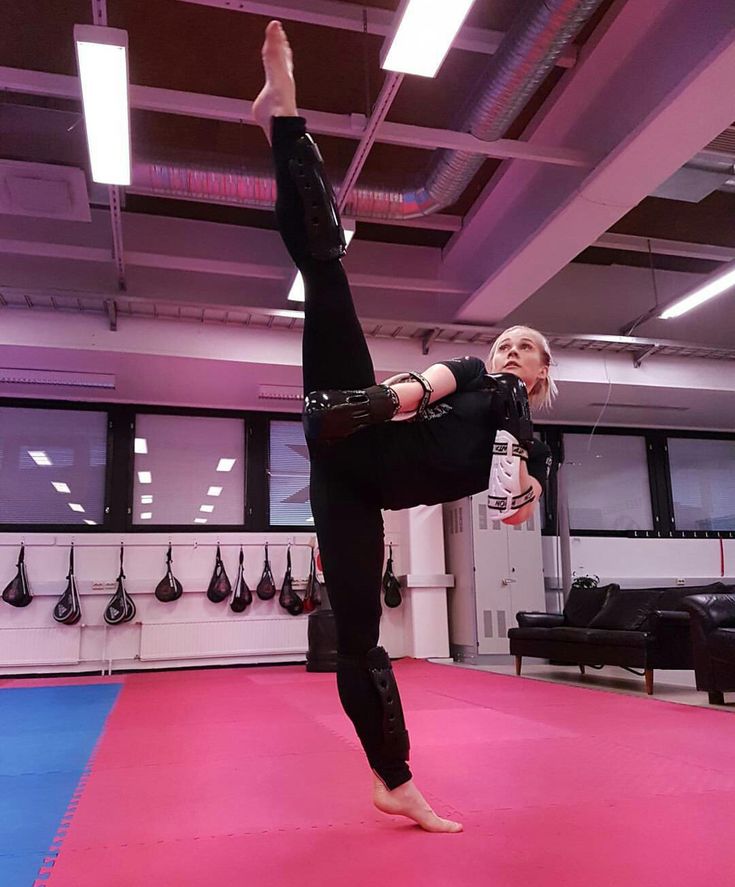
x=254 y=776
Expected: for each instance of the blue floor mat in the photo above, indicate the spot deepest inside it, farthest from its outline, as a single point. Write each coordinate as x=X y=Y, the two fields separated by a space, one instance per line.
x=48 y=735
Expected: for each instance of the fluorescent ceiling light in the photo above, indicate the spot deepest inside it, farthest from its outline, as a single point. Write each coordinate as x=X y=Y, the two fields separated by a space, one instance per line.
x=146 y=515
x=102 y=61
x=225 y=464
x=60 y=487
x=75 y=506
x=200 y=520
x=208 y=509
x=214 y=491
x=145 y=477
x=426 y=31
x=296 y=293
x=146 y=500
x=141 y=446
x=91 y=523
x=718 y=284
x=39 y=457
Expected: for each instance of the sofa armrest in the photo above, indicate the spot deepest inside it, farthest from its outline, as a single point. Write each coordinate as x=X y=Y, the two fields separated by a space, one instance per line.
x=539 y=620
x=710 y=611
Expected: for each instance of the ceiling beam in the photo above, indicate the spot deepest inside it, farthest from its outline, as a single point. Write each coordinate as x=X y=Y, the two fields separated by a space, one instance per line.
x=347 y=126
x=349 y=17
x=647 y=110
x=660 y=247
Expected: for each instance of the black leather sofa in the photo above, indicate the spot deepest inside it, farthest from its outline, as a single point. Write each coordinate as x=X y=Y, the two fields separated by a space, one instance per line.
x=713 y=642
x=632 y=628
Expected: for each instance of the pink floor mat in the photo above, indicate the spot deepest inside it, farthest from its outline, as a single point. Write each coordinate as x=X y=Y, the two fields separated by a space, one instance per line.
x=253 y=776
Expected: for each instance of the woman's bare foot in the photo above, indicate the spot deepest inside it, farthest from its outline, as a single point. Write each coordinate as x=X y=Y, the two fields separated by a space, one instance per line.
x=407 y=800
x=278 y=97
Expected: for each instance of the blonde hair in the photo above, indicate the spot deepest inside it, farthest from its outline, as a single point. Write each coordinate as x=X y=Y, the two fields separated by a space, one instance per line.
x=542 y=395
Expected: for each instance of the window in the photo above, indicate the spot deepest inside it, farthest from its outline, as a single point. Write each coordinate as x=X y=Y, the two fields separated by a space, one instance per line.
x=52 y=466
x=288 y=476
x=703 y=483
x=189 y=470
x=607 y=482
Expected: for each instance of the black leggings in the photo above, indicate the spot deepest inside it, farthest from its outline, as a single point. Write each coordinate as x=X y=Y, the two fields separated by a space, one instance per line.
x=345 y=503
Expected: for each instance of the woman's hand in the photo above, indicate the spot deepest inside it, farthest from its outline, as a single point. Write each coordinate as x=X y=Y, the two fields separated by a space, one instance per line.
x=525 y=511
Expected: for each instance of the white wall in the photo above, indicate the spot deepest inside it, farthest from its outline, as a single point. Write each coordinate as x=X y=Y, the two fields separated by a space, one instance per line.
x=32 y=642
x=643 y=562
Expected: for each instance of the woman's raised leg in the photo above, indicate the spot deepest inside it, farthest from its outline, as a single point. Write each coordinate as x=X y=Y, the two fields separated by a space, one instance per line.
x=335 y=353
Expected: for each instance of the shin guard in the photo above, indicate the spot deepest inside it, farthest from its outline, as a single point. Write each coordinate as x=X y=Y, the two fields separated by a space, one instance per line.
x=333 y=414
x=395 y=735
x=321 y=216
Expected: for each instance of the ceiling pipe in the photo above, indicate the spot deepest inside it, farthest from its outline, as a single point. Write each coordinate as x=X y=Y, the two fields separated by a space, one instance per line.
x=539 y=35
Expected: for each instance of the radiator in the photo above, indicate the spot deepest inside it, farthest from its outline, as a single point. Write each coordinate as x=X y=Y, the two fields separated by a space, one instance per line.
x=40 y=646
x=185 y=640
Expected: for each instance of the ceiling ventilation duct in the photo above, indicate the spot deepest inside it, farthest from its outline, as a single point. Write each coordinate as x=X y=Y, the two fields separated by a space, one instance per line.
x=538 y=36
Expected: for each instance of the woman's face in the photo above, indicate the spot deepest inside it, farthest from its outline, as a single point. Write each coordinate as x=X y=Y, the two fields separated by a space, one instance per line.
x=517 y=351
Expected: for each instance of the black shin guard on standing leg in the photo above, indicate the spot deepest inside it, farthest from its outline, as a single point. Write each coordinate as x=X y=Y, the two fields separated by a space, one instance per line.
x=380 y=725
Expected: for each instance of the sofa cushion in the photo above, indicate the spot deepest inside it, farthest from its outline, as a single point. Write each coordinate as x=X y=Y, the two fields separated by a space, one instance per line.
x=580 y=636
x=583 y=604
x=627 y=610
x=564 y=633
x=671 y=598
x=617 y=638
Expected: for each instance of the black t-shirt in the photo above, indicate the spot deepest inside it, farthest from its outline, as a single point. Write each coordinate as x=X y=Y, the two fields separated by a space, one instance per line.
x=447 y=454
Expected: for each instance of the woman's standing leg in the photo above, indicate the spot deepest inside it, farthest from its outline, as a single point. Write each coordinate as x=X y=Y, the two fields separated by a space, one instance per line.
x=347 y=516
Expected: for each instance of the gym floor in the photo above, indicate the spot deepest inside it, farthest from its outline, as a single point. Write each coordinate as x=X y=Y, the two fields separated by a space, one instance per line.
x=254 y=776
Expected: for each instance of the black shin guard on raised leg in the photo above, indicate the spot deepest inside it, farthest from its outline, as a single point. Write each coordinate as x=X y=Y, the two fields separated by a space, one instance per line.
x=321 y=216
x=369 y=695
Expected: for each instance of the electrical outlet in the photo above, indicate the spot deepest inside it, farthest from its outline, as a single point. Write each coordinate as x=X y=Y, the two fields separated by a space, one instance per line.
x=679 y=581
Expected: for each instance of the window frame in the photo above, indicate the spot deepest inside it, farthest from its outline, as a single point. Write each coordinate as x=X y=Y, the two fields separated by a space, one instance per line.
x=69 y=406
x=694 y=435
x=659 y=480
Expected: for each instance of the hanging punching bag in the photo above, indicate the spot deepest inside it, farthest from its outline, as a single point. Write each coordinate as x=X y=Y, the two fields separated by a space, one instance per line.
x=241 y=596
x=68 y=609
x=18 y=593
x=169 y=588
x=288 y=598
x=266 y=588
x=219 y=585
x=391 y=585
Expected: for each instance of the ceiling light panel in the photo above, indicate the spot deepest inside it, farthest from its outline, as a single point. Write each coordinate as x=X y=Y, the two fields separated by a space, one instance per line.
x=425 y=32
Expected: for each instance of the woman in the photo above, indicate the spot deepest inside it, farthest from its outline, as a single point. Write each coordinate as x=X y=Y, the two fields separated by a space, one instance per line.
x=361 y=460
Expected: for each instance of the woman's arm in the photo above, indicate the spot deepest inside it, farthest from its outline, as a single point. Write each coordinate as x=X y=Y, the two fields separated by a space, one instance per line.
x=410 y=393
x=445 y=378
